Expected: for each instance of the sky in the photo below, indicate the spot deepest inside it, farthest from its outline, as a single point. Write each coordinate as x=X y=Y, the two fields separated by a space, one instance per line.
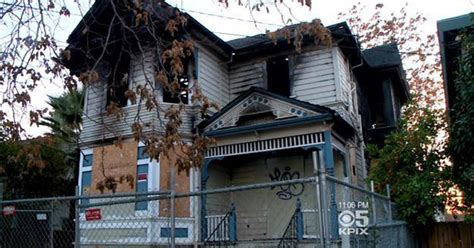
x=237 y=22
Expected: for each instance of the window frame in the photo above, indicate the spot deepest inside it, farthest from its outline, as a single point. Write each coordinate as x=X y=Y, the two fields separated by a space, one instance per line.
x=192 y=73
x=83 y=169
x=153 y=182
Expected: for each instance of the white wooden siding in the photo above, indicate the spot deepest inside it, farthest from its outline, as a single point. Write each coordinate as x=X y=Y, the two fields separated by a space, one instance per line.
x=95 y=99
x=142 y=69
x=345 y=106
x=313 y=77
x=244 y=76
x=213 y=77
x=101 y=126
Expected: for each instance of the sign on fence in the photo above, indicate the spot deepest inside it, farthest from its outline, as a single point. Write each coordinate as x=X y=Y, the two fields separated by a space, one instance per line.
x=41 y=216
x=93 y=214
x=9 y=210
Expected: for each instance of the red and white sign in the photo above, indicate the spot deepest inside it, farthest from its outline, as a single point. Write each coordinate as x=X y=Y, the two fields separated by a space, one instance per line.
x=93 y=214
x=142 y=177
x=9 y=210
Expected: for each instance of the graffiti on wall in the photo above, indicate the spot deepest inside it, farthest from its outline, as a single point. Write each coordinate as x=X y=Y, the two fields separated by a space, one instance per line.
x=286 y=192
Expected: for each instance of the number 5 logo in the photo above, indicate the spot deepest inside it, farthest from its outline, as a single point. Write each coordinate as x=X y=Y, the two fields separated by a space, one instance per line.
x=362 y=218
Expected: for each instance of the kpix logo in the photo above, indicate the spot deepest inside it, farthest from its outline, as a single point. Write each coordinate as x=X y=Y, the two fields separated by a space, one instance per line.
x=353 y=222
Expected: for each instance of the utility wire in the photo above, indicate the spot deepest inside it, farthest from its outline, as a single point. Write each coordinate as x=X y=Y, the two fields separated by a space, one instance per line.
x=232 y=18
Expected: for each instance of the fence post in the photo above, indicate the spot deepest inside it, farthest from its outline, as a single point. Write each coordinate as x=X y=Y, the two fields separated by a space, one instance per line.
x=51 y=231
x=233 y=224
x=374 y=208
x=324 y=206
x=173 y=206
x=318 y=198
x=390 y=217
x=77 y=230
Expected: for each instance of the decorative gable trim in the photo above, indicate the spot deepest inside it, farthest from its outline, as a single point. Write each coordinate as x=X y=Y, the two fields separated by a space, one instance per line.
x=258 y=103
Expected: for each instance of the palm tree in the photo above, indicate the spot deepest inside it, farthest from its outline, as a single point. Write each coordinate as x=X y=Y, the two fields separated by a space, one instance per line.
x=65 y=123
x=66 y=119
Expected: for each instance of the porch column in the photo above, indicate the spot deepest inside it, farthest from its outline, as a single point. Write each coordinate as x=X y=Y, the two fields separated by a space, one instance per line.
x=329 y=164
x=204 y=179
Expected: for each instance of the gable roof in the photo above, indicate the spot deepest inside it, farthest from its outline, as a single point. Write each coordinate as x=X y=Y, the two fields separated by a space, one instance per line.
x=386 y=58
x=323 y=113
x=340 y=32
x=101 y=8
x=382 y=56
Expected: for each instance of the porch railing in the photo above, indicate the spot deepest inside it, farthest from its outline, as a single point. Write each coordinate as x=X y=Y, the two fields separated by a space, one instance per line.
x=294 y=231
x=221 y=229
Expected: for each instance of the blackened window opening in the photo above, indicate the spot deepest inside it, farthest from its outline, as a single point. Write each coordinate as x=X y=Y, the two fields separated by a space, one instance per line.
x=117 y=83
x=377 y=106
x=181 y=94
x=278 y=79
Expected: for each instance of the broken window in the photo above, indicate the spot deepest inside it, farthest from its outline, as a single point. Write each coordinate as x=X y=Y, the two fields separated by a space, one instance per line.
x=381 y=104
x=182 y=93
x=117 y=83
x=278 y=76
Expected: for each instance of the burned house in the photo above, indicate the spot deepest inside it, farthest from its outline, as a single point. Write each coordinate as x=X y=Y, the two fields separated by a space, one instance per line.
x=277 y=106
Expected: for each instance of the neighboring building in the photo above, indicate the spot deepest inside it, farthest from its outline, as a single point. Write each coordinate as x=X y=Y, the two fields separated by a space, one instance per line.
x=448 y=34
x=449 y=31
x=277 y=106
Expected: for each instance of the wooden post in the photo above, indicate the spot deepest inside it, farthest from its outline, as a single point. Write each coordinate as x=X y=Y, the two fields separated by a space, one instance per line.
x=233 y=224
x=299 y=221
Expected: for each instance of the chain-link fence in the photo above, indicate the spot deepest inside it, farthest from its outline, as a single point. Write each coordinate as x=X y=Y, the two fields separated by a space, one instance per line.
x=38 y=223
x=320 y=211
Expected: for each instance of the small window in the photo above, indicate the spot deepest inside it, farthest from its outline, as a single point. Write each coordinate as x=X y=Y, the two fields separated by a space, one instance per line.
x=87 y=160
x=354 y=170
x=142 y=186
x=142 y=154
x=278 y=76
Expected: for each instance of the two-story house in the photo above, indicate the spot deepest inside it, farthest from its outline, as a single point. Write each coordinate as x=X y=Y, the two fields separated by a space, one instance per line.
x=277 y=105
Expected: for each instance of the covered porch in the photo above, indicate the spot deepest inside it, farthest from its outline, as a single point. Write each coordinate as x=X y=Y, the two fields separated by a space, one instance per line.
x=259 y=147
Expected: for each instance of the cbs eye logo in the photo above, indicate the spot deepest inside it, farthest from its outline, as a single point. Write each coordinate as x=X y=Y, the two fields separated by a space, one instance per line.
x=346 y=218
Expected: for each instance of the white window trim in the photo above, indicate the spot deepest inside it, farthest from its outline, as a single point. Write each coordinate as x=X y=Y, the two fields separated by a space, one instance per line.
x=83 y=169
x=153 y=179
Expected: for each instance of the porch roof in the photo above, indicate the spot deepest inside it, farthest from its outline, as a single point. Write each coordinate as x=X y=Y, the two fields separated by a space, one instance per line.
x=311 y=113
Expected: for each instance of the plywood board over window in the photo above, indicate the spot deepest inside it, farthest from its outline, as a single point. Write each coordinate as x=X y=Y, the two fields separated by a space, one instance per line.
x=115 y=161
x=182 y=185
